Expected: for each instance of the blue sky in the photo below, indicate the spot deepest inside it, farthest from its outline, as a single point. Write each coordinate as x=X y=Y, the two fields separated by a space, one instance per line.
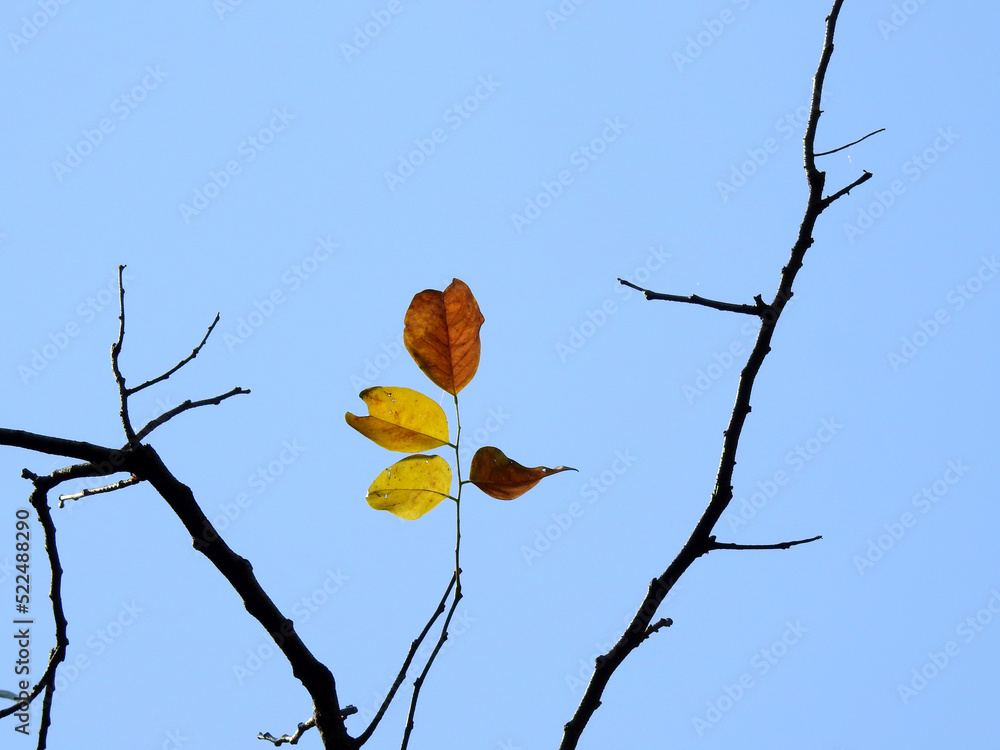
x=304 y=171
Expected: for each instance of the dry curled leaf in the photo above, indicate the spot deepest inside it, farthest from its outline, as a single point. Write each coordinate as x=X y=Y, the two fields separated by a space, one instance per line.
x=503 y=478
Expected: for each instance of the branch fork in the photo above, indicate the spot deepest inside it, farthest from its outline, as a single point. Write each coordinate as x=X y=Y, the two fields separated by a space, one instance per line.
x=702 y=541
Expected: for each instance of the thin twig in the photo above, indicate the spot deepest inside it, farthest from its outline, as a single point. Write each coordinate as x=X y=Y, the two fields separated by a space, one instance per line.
x=663 y=622
x=844 y=191
x=116 y=350
x=852 y=143
x=189 y=404
x=365 y=735
x=694 y=299
x=419 y=682
x=293 y=739
x=179 y=365
x=780 y=545
x=127 y=482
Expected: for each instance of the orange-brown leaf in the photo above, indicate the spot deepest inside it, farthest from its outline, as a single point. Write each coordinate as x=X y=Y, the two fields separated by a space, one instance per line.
x=442 y=335
x=504 y=479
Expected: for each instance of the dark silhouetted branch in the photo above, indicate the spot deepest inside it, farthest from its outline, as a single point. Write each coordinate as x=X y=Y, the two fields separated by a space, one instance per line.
x=127 y=482
x=39 y=501
x=844 y=191
x=92 y=454
x=179 y=365
x=365 y=735
x=312 y=673
x=290 y=739
x=293 y=739
x=701 y=542
x=694 y=299
x=780 y=545
x=663 y=622
x=168 y=415
x=124 y=392
x=116 y=350
x=852 y=143
x=142 y=462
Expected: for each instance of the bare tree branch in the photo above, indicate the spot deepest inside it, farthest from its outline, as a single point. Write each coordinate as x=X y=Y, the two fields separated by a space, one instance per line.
x=314 y=675
x=852 y=143
x=780 y=545
x=179 y=365
x=116 y=350
x=39 y=501
x=844 y=191
x=366 y=735
x=663 y=622
x=143 y=462
x=127 y=482
x=168 y=415
x=291 y=739
x=97 y=455
x=694 y=299
x=418 y=683
x=700 y=542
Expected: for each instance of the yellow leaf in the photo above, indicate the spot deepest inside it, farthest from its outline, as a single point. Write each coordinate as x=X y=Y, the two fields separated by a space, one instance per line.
x=401 y=420
x=411 y=487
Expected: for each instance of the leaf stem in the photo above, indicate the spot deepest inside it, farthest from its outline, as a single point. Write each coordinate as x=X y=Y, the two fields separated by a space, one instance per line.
x=458 y=504
x=456 y=579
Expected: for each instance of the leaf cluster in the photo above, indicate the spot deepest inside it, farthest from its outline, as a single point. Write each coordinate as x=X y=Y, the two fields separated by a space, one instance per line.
x=441 y=333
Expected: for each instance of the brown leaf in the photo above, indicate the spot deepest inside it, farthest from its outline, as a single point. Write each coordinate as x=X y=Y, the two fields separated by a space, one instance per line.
x=442 y=335
x=504 y=479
